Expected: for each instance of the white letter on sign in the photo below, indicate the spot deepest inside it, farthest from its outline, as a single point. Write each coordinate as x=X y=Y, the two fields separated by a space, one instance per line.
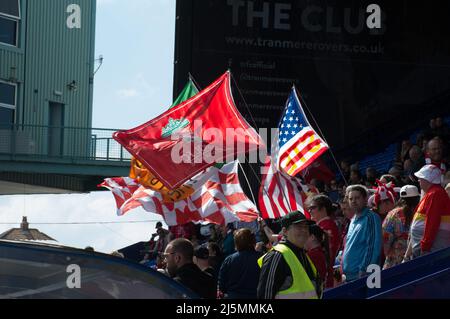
x=374 y=20
x=374 y=280
x=74 y=279
x=74 y=19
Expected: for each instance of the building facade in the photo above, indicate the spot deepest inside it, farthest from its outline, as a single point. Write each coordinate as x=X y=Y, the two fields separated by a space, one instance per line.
x=47 y=61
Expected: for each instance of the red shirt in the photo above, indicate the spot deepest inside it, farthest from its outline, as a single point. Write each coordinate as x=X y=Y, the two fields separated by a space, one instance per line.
x=182 y=231
x=317 y=256
x=434 y=205
x=334 y=241
x=334 y=238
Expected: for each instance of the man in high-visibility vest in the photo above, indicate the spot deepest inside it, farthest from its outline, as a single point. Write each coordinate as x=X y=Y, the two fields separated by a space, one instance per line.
x=286 y=271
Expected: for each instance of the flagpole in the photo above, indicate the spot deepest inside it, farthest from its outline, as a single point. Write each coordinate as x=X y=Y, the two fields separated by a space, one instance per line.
x=248 y=183
x=190 y=77
x=254 y=122
x=245 y=102
x=256 y=126
x=302 y=101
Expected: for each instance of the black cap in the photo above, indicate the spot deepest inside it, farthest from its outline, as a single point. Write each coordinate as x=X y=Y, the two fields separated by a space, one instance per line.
x=201 y=252
x=295 y=217
x=158 y=225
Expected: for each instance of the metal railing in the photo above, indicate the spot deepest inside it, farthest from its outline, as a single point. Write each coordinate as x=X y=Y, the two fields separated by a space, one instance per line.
x=58 y=143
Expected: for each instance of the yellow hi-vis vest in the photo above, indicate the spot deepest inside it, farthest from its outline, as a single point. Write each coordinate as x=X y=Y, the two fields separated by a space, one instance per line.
x=302 y=287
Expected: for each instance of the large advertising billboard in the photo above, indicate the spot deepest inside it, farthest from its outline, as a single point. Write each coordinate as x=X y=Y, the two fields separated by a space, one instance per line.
x=359 y=66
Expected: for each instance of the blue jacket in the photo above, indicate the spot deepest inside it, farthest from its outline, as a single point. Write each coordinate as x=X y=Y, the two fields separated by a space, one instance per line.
x=239 y=275
x=363 y=244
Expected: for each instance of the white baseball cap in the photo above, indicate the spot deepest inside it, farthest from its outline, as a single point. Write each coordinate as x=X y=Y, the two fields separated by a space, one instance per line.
x=430 y=173
x=409 y=191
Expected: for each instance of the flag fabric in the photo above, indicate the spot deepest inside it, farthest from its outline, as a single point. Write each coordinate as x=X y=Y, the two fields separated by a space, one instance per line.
x=219 y=200
x=279 y=193
x=146 y=178
x=121 y=187
x=154 y=143
x=298 y=144
x=318 y=170
x=188 y=91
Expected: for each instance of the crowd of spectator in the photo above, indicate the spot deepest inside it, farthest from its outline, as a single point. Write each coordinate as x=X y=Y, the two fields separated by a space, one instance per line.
x=357 y=220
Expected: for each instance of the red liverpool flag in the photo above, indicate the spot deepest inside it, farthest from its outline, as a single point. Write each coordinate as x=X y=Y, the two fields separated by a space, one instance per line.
x=192 y=136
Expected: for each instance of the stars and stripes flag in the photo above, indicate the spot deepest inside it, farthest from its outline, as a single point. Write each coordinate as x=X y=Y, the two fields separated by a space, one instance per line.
x=298 y=144
x=218 y=198
x=279 y=193
x=294 y=148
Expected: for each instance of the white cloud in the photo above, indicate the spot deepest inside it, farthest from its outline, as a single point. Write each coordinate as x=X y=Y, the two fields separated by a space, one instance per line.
x=139 y=87
x=127 y=93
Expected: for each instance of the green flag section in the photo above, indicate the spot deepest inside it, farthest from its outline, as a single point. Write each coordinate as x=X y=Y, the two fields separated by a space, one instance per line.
x=189 y=91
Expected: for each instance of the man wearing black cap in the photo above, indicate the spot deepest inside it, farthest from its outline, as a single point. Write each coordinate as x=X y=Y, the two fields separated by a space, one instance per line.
x=286 y=271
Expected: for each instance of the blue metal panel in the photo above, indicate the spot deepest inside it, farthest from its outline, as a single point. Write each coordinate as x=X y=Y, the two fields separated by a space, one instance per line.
x=425 y=277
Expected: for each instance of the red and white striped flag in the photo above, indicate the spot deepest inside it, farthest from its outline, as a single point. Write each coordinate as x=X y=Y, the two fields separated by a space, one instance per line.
x=279 y=193
x=121 y=187
x=219 y=200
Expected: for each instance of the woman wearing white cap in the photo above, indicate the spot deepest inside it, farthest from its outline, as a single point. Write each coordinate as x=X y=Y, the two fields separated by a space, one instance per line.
x=430 y=228
x=396 y=226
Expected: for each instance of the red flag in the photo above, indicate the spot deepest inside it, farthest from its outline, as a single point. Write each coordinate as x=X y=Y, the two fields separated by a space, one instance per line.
x=208 y=123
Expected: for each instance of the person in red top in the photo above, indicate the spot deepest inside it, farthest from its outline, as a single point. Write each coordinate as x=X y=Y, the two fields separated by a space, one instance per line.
x=321 y=208
x=317 y=249
x=430 y=229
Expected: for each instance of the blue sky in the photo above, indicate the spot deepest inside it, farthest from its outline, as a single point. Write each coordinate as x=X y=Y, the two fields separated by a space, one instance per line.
x=134 y=84
x=136 y=39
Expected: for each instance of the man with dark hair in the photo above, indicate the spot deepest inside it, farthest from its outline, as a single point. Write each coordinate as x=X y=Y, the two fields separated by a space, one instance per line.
x=442 y=129
x=180 y=266
x=239 y=273
x=201 y=257
x=363 y=241
x=371 y=176
x=286 y=271
x=416 y=157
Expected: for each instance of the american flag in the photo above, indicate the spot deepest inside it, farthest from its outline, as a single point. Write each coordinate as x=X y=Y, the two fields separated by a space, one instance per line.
x=280 y=194
x=298 y=144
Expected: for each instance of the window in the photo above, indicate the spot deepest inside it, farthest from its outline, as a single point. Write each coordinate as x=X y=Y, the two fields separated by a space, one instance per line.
x=8 y=31
x=10 y=8
x=9 y=21
x=7 y=103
